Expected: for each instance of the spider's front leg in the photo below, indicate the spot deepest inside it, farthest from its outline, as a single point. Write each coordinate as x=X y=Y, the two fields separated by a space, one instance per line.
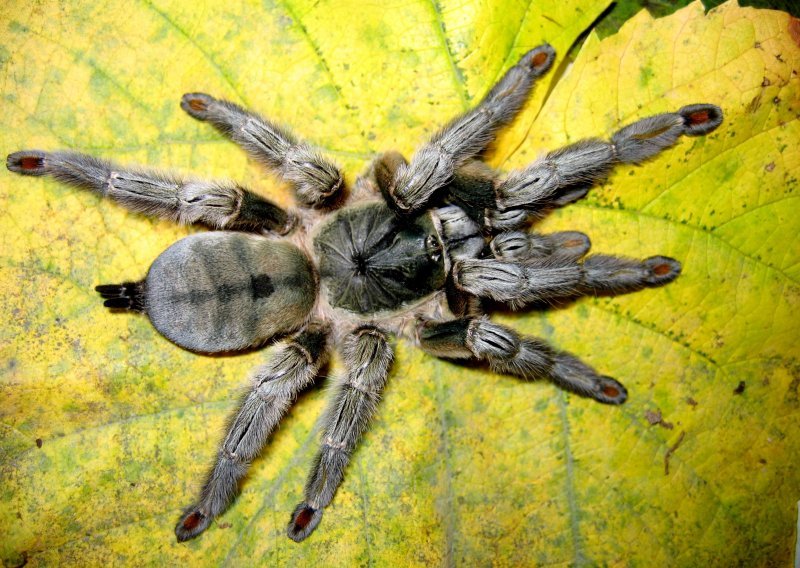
x=275 y=387
x=507 y=352
x=317 y=181
x=568 y=173
x=517 y=246
x=434 y=164
x=218 y=204
x=523 y=281
x=368 y=357
x=532 y=266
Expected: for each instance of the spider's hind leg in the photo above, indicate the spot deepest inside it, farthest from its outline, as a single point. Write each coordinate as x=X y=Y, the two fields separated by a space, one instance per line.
x=368 y=357
x=275 y=387
x=507 y=352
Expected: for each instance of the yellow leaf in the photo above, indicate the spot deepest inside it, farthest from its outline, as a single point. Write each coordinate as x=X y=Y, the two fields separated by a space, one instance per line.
x=107 y=428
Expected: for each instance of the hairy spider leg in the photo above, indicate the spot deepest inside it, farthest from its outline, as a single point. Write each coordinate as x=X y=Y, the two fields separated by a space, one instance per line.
x=516 y=246
x=217 y=204
x=368 y=358
x=567 y=174
x=434 y=164
x=519 y=274
x=317 y=182
x=507 y=352
x=553 y=277
x=275 y=387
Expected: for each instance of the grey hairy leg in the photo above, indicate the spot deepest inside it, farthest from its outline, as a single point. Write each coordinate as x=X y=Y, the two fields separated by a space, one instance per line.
x=566 y=174
x=522 y=247
x=507 y=352
x=275 y=388
x=460 y=232
x=316 y=180
x=607 y=274
x=508 y=220
x=434 y=164
x=368 y=357
x=535 y=280
x=384 y=168
x=222 y=205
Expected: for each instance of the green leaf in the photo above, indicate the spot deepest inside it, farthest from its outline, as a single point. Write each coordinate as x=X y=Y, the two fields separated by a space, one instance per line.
x=107 y=428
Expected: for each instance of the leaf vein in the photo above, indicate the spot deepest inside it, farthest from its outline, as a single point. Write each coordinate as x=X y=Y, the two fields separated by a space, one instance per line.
x=458 y=76
x=712 y=235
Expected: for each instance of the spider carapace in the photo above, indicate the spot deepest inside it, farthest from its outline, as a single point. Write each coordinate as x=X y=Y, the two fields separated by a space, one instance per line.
x=436 y=241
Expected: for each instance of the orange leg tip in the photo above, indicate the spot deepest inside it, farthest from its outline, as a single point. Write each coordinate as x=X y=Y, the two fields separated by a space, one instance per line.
x=662 y=269
x=196 y=104
x=700 y=119
x=26 y=162
x=191 y=521
x=539 y=59
x=611 y=391
x=303 y=522
x=191 y=525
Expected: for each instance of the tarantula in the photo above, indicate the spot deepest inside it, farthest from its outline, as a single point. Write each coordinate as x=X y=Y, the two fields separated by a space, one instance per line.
x=417 y=249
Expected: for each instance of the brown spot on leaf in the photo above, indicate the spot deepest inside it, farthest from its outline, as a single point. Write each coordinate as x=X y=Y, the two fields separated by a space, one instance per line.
x=690 y=401
x=39 y=442
x=671 y=450
x=754 y=104
x=655 y=417
x=739 y=388
x=769 y=167
x=794 y=30
x=766 y=82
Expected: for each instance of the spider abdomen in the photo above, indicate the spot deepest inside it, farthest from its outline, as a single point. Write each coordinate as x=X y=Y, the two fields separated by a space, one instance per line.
x=227 y=291
x=371 y=260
